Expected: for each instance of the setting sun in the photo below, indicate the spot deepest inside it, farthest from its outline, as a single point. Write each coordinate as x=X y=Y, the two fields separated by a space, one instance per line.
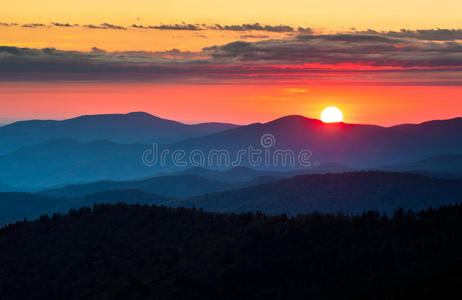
x=331 y=114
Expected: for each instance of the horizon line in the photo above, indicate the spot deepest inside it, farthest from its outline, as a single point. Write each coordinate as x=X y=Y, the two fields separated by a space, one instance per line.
x=186 y=122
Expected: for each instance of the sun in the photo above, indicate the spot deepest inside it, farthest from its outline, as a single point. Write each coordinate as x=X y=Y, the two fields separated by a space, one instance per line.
x=331 y=114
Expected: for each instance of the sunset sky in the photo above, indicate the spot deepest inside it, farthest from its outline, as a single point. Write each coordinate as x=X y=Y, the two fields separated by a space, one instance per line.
x=380 y=62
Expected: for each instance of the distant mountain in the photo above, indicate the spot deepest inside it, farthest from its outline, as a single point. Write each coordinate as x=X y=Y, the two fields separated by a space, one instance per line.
x=4 y=187
x=239 y=174
x=358 y=146
x=172 y=186
x=438 y=175
x=66 y=161
x=329 y=148
x=348 y=193
x=7 y=188
x=121 y=128
x=187 y=183
x=352 y=193
x=443 y=163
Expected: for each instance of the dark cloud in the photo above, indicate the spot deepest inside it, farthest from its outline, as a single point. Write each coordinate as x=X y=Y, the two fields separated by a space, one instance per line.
x=438 y=34
x=253 y=36
x=111 y=26
x=105 y=26
x=93 y=26
x=183 y=26
x=420 y=34
x=8 y=24
x=98 y=50
x=252 y=27
x=365 y=49
x=243 y=27
x=193 y=27
x=380 y=58
x=306 y=30
x=62 y=24
x=33 y=25
x=25 y=64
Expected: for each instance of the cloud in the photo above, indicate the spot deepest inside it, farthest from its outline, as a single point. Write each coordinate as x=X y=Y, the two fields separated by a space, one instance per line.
x=334 y=49
x=362 y=58
x=243 y=27
x=421 y=34
x=105 y=26
x=98 y=50
x=253 y=36
x=438 y=34
x=14 y=59
x=63 y=24
x=8 y=24
x=33 y=25
x=171 y=27
x=181 y=27
x=177 y=27
x=219 y=27
x=306 y=30
x=252 y=27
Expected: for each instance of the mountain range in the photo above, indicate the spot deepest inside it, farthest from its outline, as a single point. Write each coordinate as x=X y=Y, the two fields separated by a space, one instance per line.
x=133 y=127
x=190 y=182
x=49 y=154
x=66 y=161
x=171 y=186
x=443 y=163
x=354 y=145
x=350 y=193
x=247 y=174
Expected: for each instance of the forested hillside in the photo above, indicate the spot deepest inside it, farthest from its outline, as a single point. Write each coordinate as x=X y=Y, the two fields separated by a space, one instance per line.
x=350 y=193
x=137 y=252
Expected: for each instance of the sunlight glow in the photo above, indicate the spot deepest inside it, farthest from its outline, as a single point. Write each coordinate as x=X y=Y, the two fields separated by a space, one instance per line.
x=331 y=114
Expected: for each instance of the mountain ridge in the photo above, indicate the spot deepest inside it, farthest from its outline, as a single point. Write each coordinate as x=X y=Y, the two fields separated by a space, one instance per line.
x=122 y=128
x=352 y=193
x=441 y=163
x=355 y=145
x=65 y=160
x=190 y=182
x=186 y=185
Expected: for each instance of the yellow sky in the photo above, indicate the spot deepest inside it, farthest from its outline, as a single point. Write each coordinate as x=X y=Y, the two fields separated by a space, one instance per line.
x=83 y=39
x=334 y=14
x=321 y=15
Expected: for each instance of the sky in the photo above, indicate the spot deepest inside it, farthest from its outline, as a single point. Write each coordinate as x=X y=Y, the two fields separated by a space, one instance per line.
x=380 y=62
